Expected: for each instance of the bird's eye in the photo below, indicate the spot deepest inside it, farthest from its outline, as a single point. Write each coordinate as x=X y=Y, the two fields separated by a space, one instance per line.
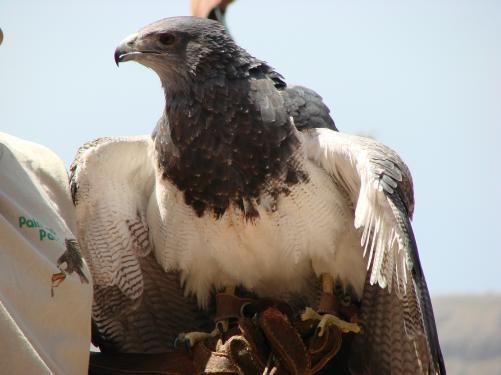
x=167 y=39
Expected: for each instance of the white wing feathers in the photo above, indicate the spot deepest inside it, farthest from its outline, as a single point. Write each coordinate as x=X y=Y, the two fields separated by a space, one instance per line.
x=112 y=181
x=370 y=173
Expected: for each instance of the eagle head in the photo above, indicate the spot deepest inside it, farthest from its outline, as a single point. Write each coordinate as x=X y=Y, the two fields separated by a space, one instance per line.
x=181 y=48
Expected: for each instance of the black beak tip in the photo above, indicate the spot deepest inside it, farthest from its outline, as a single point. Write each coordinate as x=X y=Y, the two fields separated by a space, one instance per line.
x=117 y=56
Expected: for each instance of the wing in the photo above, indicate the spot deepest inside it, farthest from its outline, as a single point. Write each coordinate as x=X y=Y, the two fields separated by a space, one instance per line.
x=399 y=334
x=151 y=324
x=137 y=307
x=304 y=105
x=307 y=108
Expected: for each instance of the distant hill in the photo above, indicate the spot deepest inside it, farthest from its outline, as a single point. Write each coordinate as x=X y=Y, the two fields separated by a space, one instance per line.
x=469 y=328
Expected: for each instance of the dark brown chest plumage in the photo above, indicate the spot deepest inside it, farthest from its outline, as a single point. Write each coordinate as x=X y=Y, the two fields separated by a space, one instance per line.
x=228 y=144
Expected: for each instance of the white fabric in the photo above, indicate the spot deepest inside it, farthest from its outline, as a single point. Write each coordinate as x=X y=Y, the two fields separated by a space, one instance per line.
x=39 y=333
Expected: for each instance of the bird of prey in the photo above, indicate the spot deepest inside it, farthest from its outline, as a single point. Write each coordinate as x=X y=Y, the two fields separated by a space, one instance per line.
x=248 y=183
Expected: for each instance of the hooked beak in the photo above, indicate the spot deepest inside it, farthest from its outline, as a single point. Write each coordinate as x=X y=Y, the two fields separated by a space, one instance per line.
x=127 y=50
x=131 y=48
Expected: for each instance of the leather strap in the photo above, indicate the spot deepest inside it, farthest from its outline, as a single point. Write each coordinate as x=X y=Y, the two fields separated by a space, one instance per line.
x=323 y=349
x=259 y=305
x=229 y=306
x=328 y=304
x=244 y=358
x=285 y=341
x=256 y=339
x=171 y=363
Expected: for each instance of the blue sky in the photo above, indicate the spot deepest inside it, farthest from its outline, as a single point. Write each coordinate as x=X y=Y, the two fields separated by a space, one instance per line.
x=423 y=77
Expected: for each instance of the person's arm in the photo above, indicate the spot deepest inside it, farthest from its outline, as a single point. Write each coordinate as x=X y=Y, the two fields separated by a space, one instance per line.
x=45 y=289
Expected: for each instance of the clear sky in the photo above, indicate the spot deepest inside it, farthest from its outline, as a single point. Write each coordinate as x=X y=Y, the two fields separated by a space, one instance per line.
x=423 y=77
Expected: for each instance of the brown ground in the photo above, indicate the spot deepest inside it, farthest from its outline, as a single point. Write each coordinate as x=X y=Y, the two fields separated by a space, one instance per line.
x=469 y=328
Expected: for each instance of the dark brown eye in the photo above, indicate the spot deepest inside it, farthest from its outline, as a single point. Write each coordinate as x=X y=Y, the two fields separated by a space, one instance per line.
x=167 y=39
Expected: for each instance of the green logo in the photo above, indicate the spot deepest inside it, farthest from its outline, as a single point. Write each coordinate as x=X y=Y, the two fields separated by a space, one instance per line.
x=43 y=232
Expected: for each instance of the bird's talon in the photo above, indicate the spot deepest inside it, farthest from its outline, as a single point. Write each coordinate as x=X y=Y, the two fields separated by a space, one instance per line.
x=178 y=340
x=183 y=341
x=327 y=320
x=190 y=339
x=310 y=314
x=243 y=307
x=320 y=331
x=332 y=320
x=187 y=346
x=317 y=331
x=222 y=326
